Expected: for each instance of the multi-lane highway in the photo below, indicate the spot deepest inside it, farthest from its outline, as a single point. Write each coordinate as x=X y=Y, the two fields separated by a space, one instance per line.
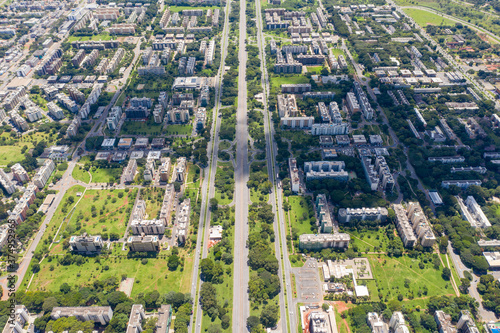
x=287 y=308
x=208 y=188
x=241 y=304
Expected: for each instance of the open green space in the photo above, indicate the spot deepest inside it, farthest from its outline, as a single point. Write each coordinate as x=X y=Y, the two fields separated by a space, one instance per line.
x=105 y=175
x=153 y=275
x=369 y=240
x=424 y=18
x=153 y=196
x=99 y=212
x=300 y=215
x=141 y=128
x=103 y=36
x=79 y=173
x=277 y=81
x=412 y=278
x=11 y=148
x=174 y=9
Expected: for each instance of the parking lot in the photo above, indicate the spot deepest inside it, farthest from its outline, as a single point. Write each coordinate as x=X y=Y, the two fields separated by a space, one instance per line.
x=308 y=283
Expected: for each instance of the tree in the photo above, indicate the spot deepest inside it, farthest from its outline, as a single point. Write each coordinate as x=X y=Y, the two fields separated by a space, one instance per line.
x=35 y=268
x=118 y=323
x=173 y=262
x=225 y=321
x=428 y=322
x=215 y=328
x=65 y=288
x=207 y=268
x=325 y=307
x=269 y=315
x=446 y=273
x=214 y=204
x=464 y=287
x=49 y=304
x=252 y=321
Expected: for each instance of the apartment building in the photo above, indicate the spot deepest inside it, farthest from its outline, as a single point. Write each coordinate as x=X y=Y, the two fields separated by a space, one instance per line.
x=86 y=244
x=114 y=117
x=97 y=314
x=6 y=183
x=404 y=228
x=19 y=173
x=129 y=172
x=167 y=204
x=143 y=243
x=122 y=29
x=115 y=61
x=323 y=214
x=137 y=316
x=44 y=173
x=315 y=242
x=182 y=220
x=325 y=170
x=460 y=183
x=350 y=215
x=472 y=212
x=55 y=111
x=294 y=175
x=180 y=169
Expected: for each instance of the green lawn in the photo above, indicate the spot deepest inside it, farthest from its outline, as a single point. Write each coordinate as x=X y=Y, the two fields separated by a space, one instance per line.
x=314 y=69
x=154 y=275
x=100 y=211
x=174 y=9
x=11 y=151
x=369 y=240
x=80 y=174
x=299 y=207
x=141 y=128
x=105 y=175
x=178 y=130
x=154 y=200
x=390 y=275
x=103 y=36
x=277 y=81
x=337 y=52
x=424 y=18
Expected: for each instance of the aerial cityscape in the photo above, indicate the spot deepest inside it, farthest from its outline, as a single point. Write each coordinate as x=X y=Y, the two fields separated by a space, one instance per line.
x=286 y=166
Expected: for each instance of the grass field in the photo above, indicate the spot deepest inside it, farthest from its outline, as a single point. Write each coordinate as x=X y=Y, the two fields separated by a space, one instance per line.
x=154 y=275
x=11 y=153
x=103 y=36
x=299 y=207
x=369 y=240
x=154 y=200
x=424 y=18
x=141 y=128
x=314 y=69
x=174 y=9
x=178 y=130
x=80 y=174
x=391 y=275
x=105 y=175
x=277 y=81
x=100 y=211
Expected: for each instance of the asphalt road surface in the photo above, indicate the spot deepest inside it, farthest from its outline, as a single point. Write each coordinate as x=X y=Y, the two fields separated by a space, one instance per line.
x=241 y=304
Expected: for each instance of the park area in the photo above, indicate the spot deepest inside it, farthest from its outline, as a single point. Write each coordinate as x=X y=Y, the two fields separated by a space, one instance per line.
x=413 y=280
x=424 y=18
x=149 y=273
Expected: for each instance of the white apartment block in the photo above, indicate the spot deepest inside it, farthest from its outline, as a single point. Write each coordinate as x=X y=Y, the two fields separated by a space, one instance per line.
x=472 y=212
x=44 y=173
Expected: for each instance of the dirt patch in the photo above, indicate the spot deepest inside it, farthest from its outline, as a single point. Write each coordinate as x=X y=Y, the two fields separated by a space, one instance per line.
x=341 y=306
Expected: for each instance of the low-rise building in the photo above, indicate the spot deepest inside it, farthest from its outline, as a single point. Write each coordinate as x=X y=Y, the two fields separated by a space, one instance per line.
x=325 y=170
x=137 y=315
x=19 y=173
x=164 y=319
x=349 y=215
x=97 y=314
x=6 y=183
x=322 y=241
x=460 y=183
